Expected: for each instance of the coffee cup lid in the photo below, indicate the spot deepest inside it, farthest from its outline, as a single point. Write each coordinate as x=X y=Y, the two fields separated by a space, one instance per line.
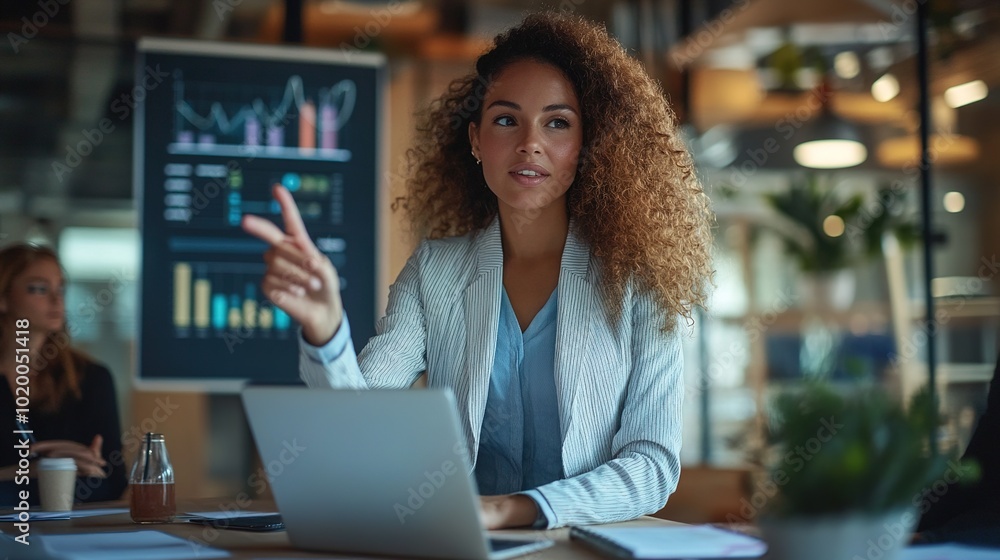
x=57 y=464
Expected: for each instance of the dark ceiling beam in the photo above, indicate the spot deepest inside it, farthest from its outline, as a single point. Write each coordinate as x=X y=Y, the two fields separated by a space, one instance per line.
x=292 y=32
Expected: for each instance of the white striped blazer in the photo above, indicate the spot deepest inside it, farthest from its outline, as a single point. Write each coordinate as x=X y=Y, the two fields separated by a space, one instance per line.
x=619 y=386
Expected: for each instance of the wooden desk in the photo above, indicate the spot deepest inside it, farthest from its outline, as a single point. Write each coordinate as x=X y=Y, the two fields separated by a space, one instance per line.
x=247 y=544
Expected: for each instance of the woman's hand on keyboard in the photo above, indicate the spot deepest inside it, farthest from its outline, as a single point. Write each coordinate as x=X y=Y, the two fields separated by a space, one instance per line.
x=512 y=510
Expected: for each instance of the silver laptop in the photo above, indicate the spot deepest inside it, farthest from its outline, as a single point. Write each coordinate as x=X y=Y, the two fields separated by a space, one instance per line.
x=373 y=472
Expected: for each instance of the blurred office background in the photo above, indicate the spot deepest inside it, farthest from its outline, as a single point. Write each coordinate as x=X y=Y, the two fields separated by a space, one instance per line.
x=819 y=261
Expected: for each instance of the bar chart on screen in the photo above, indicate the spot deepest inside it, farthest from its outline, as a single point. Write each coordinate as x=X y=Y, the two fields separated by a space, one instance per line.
x=213 y=299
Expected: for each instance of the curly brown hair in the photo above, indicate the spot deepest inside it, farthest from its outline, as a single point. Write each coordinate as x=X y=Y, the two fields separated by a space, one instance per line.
x=634 y=173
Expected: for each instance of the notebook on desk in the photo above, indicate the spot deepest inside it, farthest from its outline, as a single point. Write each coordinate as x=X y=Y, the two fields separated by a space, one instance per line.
x=373 y=472
x=680 y=542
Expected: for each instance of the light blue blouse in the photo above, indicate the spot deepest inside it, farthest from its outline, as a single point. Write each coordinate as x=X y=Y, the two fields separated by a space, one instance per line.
x=520 y=445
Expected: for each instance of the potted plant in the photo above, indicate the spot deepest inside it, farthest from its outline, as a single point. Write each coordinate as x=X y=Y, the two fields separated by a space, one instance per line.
x=849 y=473
x=827 y=231
x=822 y=247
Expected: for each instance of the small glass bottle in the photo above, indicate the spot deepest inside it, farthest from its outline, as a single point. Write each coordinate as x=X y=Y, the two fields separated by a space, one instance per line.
x=152 y=483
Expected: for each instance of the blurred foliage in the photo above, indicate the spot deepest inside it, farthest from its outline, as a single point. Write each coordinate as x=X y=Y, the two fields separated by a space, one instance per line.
x=789 y=58
x=858 y=451
x=807 y=203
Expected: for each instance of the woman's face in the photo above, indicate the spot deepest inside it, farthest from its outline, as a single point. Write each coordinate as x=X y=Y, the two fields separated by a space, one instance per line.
x=529 y=136
x=37 y=295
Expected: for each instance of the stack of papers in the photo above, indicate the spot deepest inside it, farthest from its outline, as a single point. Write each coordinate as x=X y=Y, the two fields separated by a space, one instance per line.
x=678 y=541
x=53 y=515
x=153 y=545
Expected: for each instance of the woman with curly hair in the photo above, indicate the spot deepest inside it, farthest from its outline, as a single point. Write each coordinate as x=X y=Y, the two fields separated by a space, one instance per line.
x=563 y=233
x=72 y=411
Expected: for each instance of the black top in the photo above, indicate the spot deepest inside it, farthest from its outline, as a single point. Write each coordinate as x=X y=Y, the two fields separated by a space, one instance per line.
x=971 y=513
x=79 y=420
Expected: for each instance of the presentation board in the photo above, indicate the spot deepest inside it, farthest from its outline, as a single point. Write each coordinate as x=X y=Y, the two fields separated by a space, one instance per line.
x=216 y=126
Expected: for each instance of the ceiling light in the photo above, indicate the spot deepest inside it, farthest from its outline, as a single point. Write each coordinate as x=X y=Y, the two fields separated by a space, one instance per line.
x=958 y=96
x=808 y=78
x=830 y=154
x=833 y=226
x=846 y=65
x=885 y=88
x=832 y=142
x=954 y=202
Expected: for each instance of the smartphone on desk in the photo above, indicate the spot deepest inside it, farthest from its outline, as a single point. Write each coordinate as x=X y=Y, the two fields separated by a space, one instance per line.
x=264 y=522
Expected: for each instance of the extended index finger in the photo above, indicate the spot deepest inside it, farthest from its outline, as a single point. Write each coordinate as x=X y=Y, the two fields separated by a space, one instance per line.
x=290 y=214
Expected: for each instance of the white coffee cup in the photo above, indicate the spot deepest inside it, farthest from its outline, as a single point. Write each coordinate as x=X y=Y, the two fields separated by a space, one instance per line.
x=57 y=483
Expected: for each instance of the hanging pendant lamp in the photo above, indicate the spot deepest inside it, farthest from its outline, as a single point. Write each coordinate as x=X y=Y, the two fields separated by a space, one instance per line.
x=832 y=142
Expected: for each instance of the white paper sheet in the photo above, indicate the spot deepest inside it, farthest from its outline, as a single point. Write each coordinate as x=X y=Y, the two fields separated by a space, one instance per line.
x=948 y=552
x=692 y=541
x=148 y=545
x=53 y=515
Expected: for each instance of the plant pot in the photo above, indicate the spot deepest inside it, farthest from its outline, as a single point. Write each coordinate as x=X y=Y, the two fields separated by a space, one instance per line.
x=827 y=291
x=848 y=536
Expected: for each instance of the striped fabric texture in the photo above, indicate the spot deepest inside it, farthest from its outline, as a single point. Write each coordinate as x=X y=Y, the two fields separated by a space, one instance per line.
x=619 y=386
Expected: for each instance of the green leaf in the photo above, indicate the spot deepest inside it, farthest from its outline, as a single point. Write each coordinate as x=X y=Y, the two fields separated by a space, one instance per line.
x=863 y=451
x=808 y=202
